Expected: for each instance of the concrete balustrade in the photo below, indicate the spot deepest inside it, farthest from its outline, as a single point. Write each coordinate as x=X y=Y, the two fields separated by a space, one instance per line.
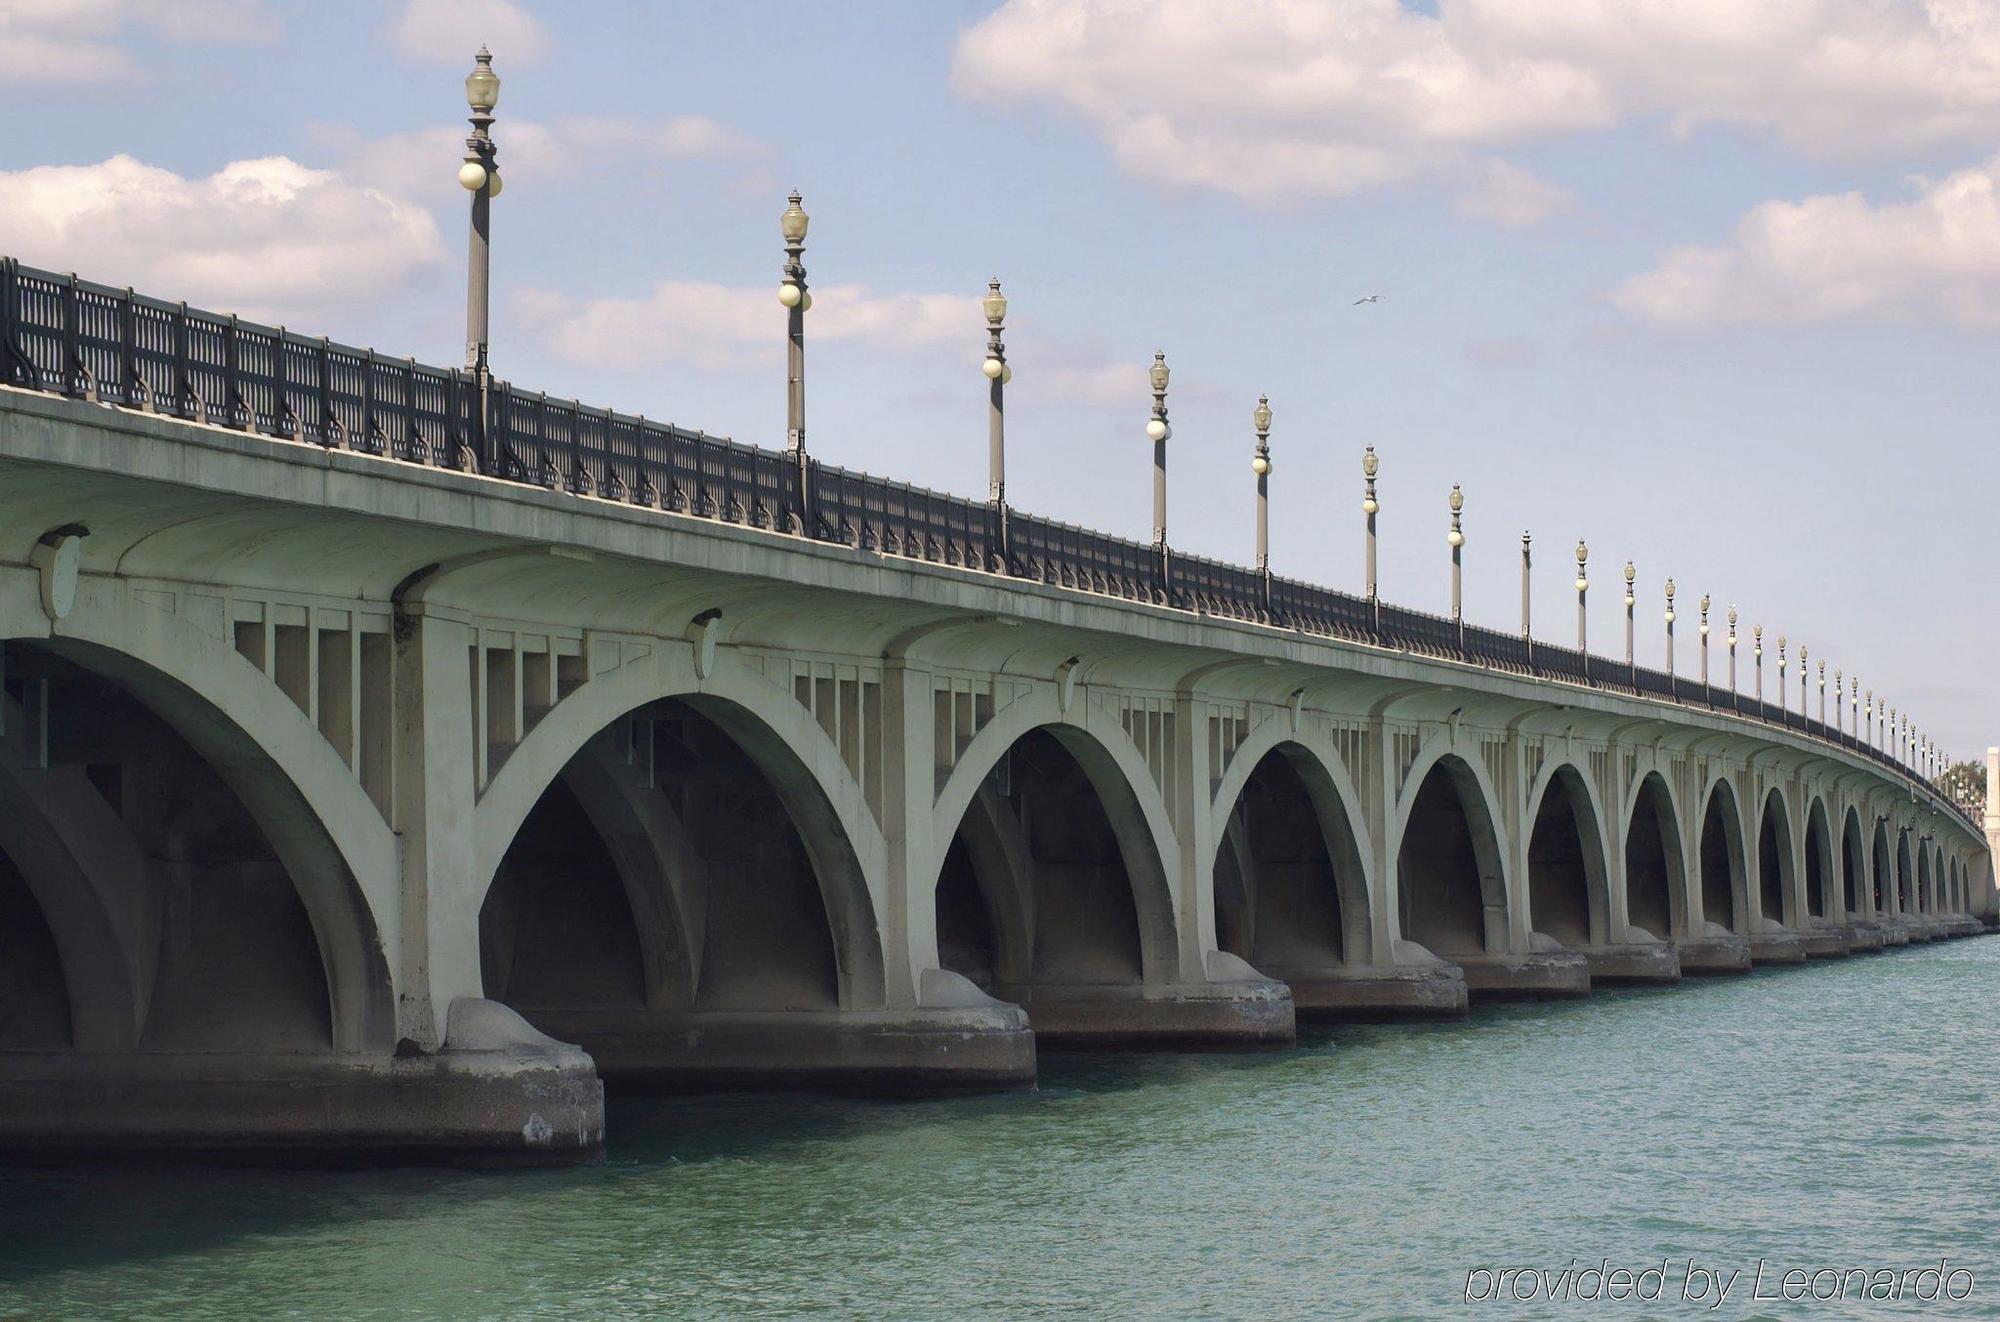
x=338 y=795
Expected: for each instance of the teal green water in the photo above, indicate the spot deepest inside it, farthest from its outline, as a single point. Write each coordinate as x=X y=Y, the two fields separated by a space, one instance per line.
x=1838 y=1115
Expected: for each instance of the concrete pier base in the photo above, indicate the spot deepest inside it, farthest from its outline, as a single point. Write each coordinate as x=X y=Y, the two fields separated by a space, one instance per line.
x=892 y=1052
x=1369 y=993
x=499 y=1093
x=1865 y=937
x=1961 y=925
x=1827 y=940
x=1716 y=951
x=1636 y=964
x=1542 y=975
x=1777 y=945
x=1251 y=1012
x=1895 y=932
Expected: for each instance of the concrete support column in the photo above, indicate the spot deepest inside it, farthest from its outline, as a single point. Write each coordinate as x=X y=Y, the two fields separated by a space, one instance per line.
x=1194 y=870
x=434 y=808
x=909 y=787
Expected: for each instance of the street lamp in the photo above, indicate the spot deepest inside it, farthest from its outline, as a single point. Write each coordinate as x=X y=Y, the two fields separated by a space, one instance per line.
x=1732 y=656
x=1369 y=506
x=1527 y=626
x=1704 y=647
x=1582 y=592
x=1631 y=659
x=480 y=177
x=1670 y=634
x=998 y=374
x=1260 y=464
x=1455 y=539
x=796 y=298
x=1158 y=431
x=1757 y=652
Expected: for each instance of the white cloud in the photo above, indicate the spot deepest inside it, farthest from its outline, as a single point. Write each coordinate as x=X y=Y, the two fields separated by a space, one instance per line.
x=449 y=31
x=267 y=238
x=1836 y=257
x=730 y=327
x=1277 y=101
x=1509 y=196
x=75 y=41
x=424 y=163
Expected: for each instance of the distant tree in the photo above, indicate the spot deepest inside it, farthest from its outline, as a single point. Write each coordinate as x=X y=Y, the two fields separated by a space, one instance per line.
x=1964 y=783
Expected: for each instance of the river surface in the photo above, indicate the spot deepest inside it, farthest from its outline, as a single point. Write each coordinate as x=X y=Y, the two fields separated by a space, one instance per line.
x=1839 y=1115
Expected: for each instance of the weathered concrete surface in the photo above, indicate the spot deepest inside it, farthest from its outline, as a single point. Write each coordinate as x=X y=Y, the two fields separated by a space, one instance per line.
x=498 y=1092
x=1866 y=937
x=1370 y=994
x=1634 y=964
x=1777 y=945
x=1825 y=940
x=1539 y=976
x=1232 y=1014
x=1716 y=951
x=890 y=1053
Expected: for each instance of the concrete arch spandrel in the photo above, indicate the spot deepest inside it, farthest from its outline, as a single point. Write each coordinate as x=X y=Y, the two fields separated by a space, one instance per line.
x=1337 y=804
x=827 y=807
x=1124 y=785
x=343 y=859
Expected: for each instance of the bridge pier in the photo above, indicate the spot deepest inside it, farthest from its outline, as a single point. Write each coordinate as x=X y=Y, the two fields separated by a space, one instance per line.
x=1365 y=994
x=1716 y=950
x=1538 y=975
x=1774 y=945
x=1826 y=939
x=1633 y=964
x=1865 y=936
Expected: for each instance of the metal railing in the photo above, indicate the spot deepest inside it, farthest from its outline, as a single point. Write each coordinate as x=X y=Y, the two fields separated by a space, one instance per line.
x=66 y=336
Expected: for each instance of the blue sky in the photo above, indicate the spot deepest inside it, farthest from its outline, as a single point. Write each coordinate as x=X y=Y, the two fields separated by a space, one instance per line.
x=1713 y=286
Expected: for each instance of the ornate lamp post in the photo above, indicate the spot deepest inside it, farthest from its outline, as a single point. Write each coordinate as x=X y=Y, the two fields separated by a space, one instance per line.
x=1260 y=464
x=797 y=301
x=1455 y=539
x=1670 y=636
x=1867 y=730
x=480 y=177
x=1527 y=563
x=1820 y=675
x=1158 y=431
x=1631 y=658
x=1757 y=652
x=1732 y=656
x=1369 y=506
x=1704 y=647
x=998 y=374
x=1582 y=593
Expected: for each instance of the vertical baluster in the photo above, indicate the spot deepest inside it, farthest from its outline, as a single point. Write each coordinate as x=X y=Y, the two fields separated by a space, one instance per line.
x=136 y=391
x=330 y=426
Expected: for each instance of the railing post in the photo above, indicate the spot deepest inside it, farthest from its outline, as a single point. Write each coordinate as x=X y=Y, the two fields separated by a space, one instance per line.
x=10 y=297
x=72 y=334
x=329 y=426
x=232 y=380
x=128 y=352
x=184 y=390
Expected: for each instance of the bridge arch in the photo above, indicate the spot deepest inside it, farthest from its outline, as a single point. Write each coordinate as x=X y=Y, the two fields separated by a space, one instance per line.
x=1569 y=892
x=1777 y=878
x=1853 y=865
x=1926 y=874
x=1905 y=873
x=1057 y=897
x=1821 y=867
x=1882 y=871
x=1655 y=869
x=1722 y=858
x=757 y=733
x=1451 y=870
x=324 y=833
x=1291 y=871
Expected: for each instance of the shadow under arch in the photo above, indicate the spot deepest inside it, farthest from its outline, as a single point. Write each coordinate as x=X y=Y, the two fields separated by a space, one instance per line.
x=1905 y=866
x=1882 y=875
x=650 y=853
x=1853 y=865
x=1655 y=870
x=1569 y=892
x=1926 y=901
x=1776 y=877
x=791 y=751
x=330 y=842
x=1291 y=890
x=1053 y=873
x=1822 y=894
x=1721 y=854
x=1451 y=890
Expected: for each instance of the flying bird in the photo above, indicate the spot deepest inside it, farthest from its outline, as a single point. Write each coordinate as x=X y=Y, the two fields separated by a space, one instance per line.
x=1372 y=298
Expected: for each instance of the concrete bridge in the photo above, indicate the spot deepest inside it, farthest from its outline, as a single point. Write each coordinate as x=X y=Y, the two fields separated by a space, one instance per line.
x=341 y=786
